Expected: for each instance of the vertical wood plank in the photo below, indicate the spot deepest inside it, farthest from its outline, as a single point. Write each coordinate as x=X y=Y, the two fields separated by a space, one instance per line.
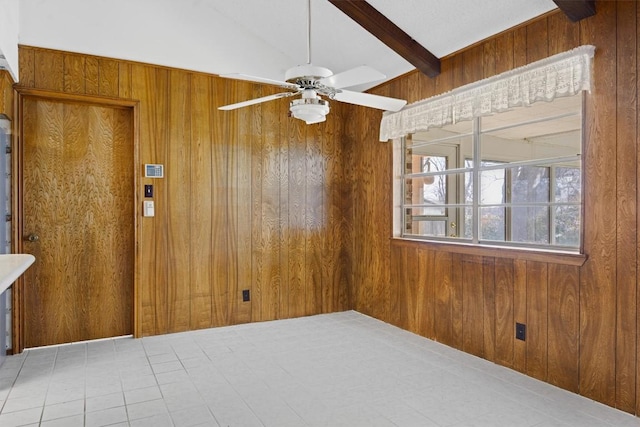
x=627 y=206
x=443 y=277
x=457 y=295
x=427 y=309
x=220 y=298
x=597 y=278
x=49 y=71
x=108 y=71
x=26 y=62
x=564 y=316
x=201 y=203
x=314 y=213
x=537 y=41
x=143 y=79
x=537 y=319
x=257 y=246
x=74 y=73
x=271 y=232
x=242 y=312
x=472 y=304
x=297 y=218
x=178 y=184
x=563 y=34
x=519 y=312
x=489 y=309
x=504 y=313
x=92 y=75
x=124 y=80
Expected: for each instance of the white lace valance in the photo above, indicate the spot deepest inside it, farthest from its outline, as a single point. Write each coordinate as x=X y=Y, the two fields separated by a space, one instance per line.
x=564 y=74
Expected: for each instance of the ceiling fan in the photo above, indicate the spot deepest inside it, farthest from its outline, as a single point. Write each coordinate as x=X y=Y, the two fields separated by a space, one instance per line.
x=311 y=81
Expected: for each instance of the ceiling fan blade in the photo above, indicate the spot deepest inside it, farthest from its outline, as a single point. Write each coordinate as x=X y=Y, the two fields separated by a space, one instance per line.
x=353 y=77
x=257 y=100
x=238 y=76
x=370 y=100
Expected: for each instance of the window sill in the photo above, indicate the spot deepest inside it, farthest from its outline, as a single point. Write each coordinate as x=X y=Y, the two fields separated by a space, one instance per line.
x=494 y=251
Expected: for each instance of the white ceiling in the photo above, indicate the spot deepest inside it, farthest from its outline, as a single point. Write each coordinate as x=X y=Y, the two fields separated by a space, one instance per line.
x=260 y=37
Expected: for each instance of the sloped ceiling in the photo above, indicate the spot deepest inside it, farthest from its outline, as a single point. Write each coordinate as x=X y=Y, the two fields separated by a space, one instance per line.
x=261 y=37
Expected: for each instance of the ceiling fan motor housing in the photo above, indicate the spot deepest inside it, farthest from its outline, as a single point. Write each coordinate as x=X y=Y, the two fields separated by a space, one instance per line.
x=306 y=75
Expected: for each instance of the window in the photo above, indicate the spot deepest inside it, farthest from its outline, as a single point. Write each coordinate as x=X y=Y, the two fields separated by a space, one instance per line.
x=508 y=179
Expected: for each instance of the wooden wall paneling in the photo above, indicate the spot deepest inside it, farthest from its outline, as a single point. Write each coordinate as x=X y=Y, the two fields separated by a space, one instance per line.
x=245 y=139
x=315 y=216
x=178 y=203
x=537 y=40
x=472 y=305
x=285 y=222
x=563 y=34
x=363 y=239
x=627 y=206
x=6 y=94
x=341 y=229
x=257 y=173
x=489 y=309
x=400 y=273
x=457 y=304
x=158 y=147
x=411 y=289
x=92 y=74
x=489 y=58
x=26 y=63
x=597 y=279
x=426 y=316
x=443 y=276
x=349 y=196
x=563 y=327
x=504 y=60
x=201 y=203
x=297 y=217
x=520 y=47
x=219 y=167
x=270 y=240
x=473 y=64
x=637 y=349
x=232 y=142
x=504 y=313
x=331 y=241
x=74 y=80
x=49 y=70
x=124 y=80
x=143 y=79
x=537 y=319
x=519 y=313
x=108 y=74
x=444 y=80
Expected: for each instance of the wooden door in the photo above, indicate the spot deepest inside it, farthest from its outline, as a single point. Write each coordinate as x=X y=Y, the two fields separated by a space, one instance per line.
x=78 y=221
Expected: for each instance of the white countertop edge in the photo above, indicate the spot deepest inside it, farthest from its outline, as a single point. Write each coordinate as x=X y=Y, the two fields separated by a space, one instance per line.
x=12 y=266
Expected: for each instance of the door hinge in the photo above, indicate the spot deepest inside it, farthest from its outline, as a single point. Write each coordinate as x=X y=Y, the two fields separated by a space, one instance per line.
x=7 y=217
x=8 y=149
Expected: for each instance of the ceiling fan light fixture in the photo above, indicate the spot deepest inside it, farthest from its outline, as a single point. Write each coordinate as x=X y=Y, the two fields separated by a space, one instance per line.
x=310 y=110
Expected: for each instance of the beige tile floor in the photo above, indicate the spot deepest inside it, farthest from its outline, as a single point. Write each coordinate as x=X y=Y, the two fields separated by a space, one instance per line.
x=342 y=369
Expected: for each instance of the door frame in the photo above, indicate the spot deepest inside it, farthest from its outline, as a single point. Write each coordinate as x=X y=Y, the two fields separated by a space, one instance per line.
x=17 y=184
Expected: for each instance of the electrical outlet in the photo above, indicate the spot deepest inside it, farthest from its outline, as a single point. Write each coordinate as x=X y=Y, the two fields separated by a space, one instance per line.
x=521 y=331
x=246 y=296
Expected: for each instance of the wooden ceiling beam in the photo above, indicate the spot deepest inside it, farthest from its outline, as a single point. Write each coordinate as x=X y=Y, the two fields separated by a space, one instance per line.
x=390 y=34
x=577 y=10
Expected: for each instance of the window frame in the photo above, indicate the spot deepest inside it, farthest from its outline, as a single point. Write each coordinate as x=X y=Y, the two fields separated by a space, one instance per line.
x=459 y=173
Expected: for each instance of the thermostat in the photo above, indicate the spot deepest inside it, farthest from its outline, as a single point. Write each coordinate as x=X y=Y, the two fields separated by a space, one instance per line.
x=153 y=171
